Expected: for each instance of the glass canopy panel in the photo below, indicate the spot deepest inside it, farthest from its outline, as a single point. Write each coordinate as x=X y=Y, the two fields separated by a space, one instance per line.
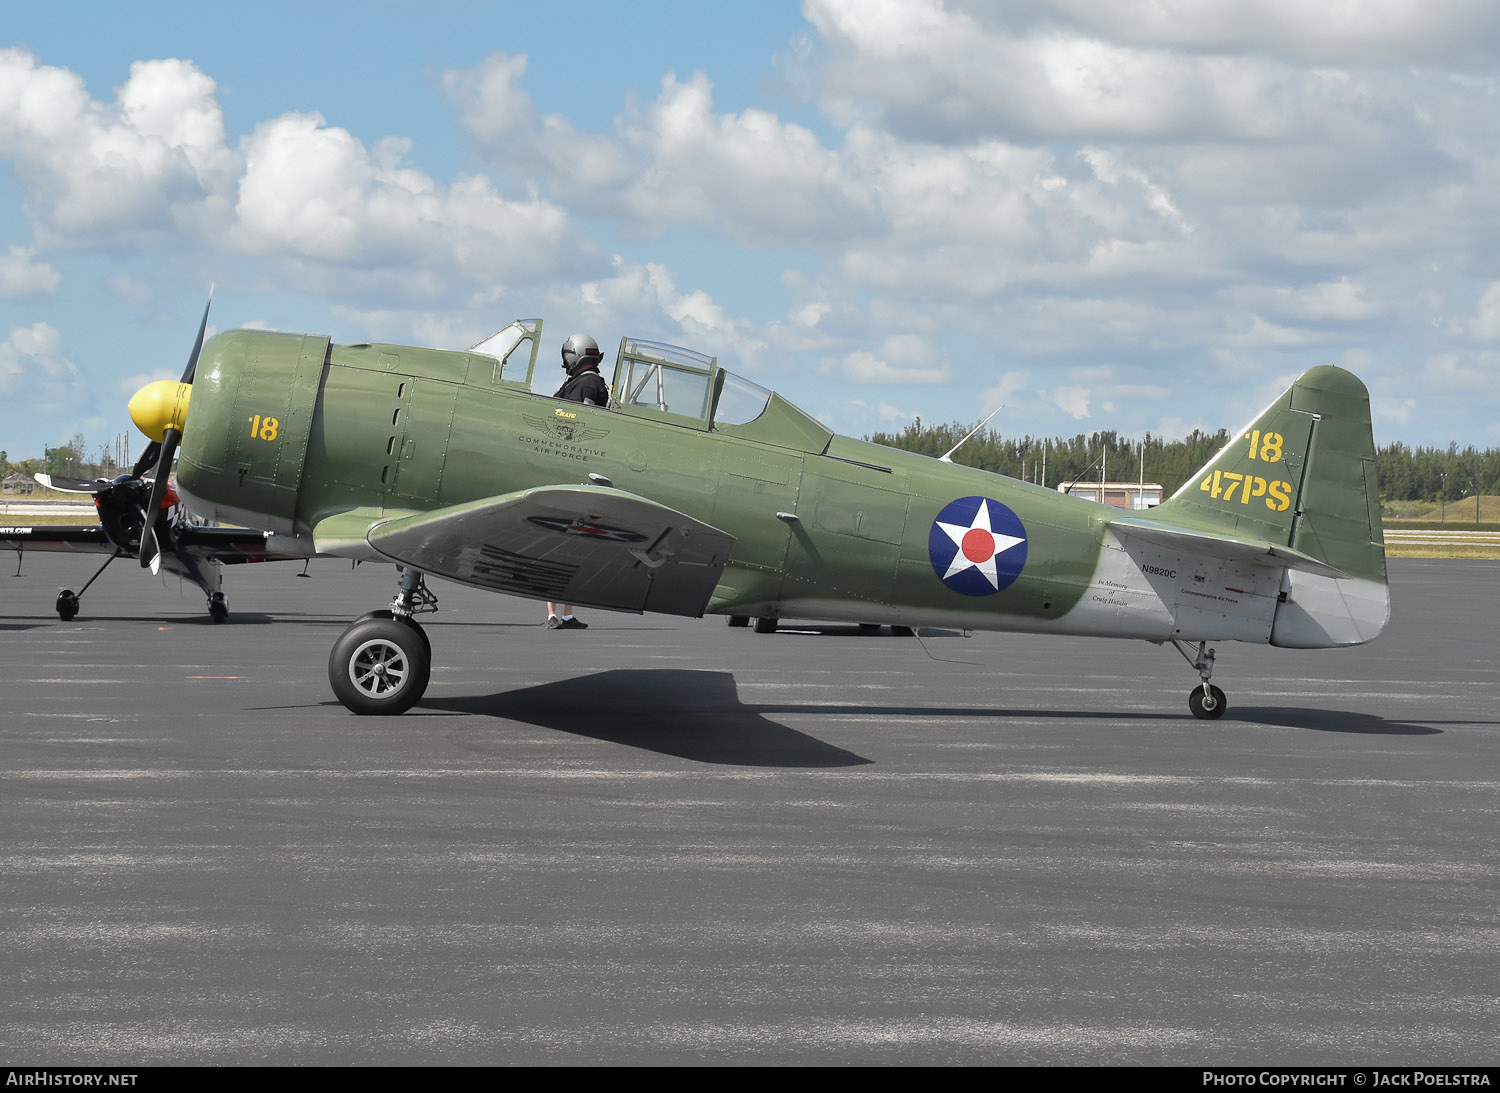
x=503 y=346
x=740 y=401
x=670 y=390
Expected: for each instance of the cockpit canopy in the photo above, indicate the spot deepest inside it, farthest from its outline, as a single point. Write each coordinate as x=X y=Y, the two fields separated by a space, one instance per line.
x=672 y=384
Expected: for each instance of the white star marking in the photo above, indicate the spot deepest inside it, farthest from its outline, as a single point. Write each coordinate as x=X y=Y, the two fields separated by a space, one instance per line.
x=978 y=551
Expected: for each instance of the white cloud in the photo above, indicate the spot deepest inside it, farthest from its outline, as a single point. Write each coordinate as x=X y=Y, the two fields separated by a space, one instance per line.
x=866 y=367
x=96 y=173
x=339 y=217
x=1335 y=31
x=959 y=71
x=129 y=290
x=21 y=276
x=1452 y=371
x=32 y=364
x=1011 y=384
x=1339 y=301
x=1259 y=333
x=1072 y=400
x=314 y=191
x=1486 y=324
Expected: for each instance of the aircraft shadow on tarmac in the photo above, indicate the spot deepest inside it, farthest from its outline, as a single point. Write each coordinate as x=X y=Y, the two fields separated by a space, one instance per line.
x=1332 y=721
x=695 y=715
x=698 y=715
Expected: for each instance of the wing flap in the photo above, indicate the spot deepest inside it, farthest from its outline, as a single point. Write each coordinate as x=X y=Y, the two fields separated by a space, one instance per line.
x=588 y=545
x=1253 y=551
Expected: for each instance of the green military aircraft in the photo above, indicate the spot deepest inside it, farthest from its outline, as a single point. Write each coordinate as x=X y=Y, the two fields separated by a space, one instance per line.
x=697 y=491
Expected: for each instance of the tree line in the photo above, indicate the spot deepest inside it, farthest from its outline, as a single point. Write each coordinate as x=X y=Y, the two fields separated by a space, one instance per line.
x=71 y=459
x=1406 y=473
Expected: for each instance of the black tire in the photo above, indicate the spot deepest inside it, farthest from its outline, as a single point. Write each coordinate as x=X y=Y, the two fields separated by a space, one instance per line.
x=380 y=666
x=1209 y=708
x=387 y=613
x=218 y=609
x=765 y=626
x=67 y=605
x=902 y=632
x=869 y=628
x=739 y=620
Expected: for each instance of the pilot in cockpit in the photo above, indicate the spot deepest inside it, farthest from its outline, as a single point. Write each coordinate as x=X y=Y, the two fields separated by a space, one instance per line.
x=580 y=360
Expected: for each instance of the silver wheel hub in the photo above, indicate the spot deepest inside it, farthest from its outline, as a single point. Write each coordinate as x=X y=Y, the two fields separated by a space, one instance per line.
x=378 y=668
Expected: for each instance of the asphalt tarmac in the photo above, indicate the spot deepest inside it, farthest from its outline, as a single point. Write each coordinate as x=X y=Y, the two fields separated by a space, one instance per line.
x=669 y=841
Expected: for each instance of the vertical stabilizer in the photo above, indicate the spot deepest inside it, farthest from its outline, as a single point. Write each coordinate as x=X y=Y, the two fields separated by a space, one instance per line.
x=1303 y=475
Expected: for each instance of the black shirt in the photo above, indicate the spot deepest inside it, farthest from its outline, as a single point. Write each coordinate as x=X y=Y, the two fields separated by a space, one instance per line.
x=586 y=386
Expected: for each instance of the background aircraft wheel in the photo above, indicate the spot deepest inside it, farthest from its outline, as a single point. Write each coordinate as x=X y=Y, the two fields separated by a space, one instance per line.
x=902 y=632
x=67 y=604
x=1207 y=708
x=218 y=609
x=380 y=666
x=765 y=626
x=739 y=620
x=386 y=613
x=869 y=628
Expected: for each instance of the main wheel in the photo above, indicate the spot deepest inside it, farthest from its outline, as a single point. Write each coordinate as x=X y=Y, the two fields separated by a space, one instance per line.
x=765 y=626
x=218 y=608
x=1207 y=707
x=67 y=605
x=739 y=620
x=380 y=666
x=902 y=632
x=869 y=628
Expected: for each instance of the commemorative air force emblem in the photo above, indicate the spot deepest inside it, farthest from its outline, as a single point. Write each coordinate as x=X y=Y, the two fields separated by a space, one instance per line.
x=573 y=432
x=977 y=546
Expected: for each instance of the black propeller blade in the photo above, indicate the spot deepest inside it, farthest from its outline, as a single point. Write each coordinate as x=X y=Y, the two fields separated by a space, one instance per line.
x=147 y=459
x=192 y=364
x=150 y=556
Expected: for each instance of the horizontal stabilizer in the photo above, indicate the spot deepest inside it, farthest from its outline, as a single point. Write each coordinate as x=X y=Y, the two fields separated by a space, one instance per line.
x=587 y=545
x=1256 y=552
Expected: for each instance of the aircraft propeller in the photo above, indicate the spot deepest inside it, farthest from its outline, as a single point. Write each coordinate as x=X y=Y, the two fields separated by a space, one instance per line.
x=160 y=411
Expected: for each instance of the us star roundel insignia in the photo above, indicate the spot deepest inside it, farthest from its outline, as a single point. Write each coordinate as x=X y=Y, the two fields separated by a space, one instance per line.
x=977 y=546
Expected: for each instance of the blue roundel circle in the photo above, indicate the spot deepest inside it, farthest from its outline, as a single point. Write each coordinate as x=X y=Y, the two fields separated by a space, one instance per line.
x=977 y=546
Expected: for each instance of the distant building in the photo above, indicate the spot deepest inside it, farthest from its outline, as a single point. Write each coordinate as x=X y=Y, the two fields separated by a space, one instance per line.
x=16 y=482
x=1121 y=495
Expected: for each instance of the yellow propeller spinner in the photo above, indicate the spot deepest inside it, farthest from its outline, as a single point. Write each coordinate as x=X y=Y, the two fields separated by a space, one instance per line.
x=160 y=406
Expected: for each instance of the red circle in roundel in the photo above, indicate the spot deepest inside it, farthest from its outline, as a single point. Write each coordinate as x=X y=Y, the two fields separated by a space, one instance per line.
x=978 y=545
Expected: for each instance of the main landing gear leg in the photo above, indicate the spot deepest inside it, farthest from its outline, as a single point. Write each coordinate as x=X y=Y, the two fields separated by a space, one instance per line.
x=382 y=663
x=67 y=599
x=1206 y=701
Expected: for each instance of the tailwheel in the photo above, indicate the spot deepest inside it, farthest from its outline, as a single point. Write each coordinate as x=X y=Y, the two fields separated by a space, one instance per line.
x=218 y=608
x=739 y=620
x=1207 y=706
x=380 y=666
x=1205 y=700
x=765 y=626
x=67 y=605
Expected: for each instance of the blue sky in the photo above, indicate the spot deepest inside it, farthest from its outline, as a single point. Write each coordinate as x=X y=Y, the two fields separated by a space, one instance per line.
x=1140 y=215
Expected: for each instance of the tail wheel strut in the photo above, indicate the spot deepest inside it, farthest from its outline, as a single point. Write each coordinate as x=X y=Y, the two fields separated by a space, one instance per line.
x=1206 y=701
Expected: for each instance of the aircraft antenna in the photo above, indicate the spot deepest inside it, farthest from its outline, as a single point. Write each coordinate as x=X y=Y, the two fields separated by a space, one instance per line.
x=947 y=457
x=1069 y=487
